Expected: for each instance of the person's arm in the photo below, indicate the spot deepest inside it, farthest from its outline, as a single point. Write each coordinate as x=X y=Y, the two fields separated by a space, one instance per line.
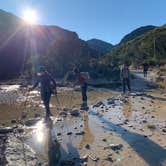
x=54 y=82
x=128 y=73
x=35 y=85
x=121 y=73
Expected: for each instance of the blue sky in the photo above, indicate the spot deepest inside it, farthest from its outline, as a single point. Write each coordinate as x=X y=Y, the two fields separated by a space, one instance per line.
x=107 y=20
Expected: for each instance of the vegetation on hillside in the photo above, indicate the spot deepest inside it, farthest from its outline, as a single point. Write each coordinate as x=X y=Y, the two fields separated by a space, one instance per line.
x=99 y=45
x=149 y=48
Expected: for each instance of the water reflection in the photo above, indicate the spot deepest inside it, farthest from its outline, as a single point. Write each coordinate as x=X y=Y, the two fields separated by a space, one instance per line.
x=45 y=143
x=88 y=137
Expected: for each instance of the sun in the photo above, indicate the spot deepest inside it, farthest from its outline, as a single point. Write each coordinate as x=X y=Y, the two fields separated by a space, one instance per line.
x=30 y=16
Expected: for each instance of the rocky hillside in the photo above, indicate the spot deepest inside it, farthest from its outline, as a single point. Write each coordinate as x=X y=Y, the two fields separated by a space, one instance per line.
x=24 y=47
x=99 y=45
x=137 y=32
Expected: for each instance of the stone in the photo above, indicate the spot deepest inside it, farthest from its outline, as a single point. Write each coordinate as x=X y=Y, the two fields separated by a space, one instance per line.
x=87 y=146
x=116 y=147
x=75 y=112
x=164 y=130
x=37 y=115
x=6 y=130
x=69 y=133
x=80 y=133
x=13 y=121
x=63 y=114
x=104 y=140
x=31 y=122
x=100 y=103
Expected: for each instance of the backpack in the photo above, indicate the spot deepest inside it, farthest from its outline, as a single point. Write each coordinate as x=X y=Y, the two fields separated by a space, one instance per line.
x=85 y=76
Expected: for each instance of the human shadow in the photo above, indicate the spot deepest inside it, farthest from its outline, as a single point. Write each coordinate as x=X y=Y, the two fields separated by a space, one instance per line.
x=150 y=151
x=57 y=155
x=54 y=153
x=156 y=97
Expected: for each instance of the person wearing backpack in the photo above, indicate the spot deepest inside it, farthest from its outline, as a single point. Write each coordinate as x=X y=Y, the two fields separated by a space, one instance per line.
x=81 y=79
x=47 y=86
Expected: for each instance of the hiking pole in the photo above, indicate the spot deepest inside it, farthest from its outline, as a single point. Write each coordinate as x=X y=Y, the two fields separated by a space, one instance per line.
x=71 y=99
x=58 y=102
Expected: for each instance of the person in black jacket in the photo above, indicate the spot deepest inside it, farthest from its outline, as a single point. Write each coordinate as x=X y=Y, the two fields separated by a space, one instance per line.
x=47 y=86
x=145 y=69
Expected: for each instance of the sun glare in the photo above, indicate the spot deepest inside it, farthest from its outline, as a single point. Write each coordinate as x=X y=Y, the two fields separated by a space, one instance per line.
x=30 y=16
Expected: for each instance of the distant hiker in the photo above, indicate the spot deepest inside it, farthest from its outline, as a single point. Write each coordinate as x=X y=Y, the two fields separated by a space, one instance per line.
x=145 y=69
x=81 y=79
x=47 y=86
x=125 y=77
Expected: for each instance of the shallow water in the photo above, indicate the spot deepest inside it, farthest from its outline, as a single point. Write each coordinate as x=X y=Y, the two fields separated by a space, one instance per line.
x=115 y=121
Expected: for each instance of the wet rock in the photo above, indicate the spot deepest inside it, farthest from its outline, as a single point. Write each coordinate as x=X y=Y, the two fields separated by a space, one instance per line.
x=87 y=146
x=66 y=109
x=59 y=134
x=23 y=116
x=144 y=121
x=100 y=103
x=164 y=130
x=111 y=102
x=75 y=112
x=126 y=121
x=80 y=133
x=116 y=147
x=6 y=130
x=104 y=140
x=13 y=121
x=37 y=115
x=84 y=159
x=63 y=114
x=31 y=122
x=69 y=133
x=85 y=164
x=109 y=158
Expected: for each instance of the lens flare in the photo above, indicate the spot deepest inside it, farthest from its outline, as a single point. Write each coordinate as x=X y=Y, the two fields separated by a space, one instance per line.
x=30 y=16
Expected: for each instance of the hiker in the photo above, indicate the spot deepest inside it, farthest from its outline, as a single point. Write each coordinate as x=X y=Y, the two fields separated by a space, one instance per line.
x=145 y=69
x=81 y=79
x=47 y=87
x=125 y=77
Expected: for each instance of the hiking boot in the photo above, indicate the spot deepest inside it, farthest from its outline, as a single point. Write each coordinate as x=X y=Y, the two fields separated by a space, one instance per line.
x=84 y=106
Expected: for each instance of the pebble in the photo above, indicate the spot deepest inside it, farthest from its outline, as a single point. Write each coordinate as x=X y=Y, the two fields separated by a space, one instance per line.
x=87 y=146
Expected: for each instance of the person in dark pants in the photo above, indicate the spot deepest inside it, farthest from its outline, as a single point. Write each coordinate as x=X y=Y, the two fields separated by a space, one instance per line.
x=82 y=81
x=44 y=79
x=145 y=69
x=125 y=77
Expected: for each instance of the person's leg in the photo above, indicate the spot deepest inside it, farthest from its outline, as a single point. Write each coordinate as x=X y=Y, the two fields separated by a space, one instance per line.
x=84 y=95
x=46 y=100
x=128 y=84
x=124 y=85
x=144 y=73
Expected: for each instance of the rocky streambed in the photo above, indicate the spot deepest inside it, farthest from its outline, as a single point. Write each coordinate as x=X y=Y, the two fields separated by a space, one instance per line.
x=116 y=130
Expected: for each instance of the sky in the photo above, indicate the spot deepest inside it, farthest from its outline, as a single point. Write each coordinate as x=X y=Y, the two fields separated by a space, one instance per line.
x=108 y=20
